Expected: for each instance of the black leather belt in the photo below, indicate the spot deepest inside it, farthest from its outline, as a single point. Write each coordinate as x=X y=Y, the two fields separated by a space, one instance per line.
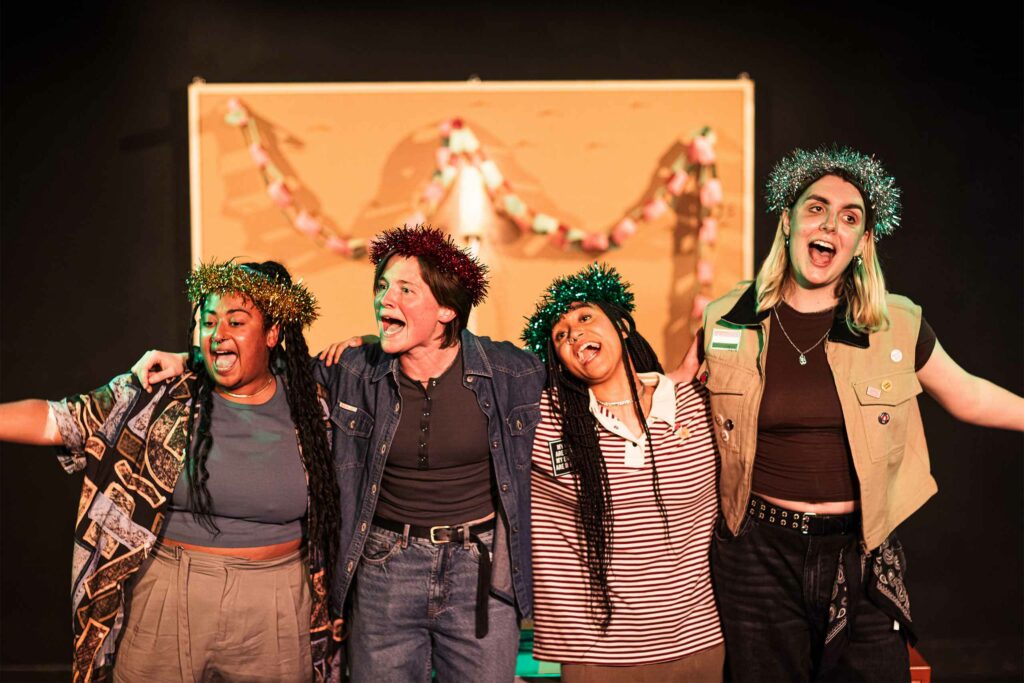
x=438 y=535
x=456 y=533
x=807 y=523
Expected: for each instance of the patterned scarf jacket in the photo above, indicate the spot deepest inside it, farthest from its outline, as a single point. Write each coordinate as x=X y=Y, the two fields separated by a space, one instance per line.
x=131 y=446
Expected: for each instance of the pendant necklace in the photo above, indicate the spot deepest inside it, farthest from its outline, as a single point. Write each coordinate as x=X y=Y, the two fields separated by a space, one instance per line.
x=803 y=354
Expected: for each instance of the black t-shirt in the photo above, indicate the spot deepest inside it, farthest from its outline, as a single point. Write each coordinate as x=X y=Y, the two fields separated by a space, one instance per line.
x=802 y=452
x=439 y=468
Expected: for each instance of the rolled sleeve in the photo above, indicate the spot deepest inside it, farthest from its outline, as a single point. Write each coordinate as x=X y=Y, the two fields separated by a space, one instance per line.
x=80 y=417
x=71 y=455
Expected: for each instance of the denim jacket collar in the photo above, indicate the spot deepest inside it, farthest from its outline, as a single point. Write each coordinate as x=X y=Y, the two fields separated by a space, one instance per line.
x=473 y=359
x=385 y=364
x=745 y=314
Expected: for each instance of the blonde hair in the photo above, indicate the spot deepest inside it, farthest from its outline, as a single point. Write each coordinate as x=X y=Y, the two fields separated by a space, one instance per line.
x=862 y=287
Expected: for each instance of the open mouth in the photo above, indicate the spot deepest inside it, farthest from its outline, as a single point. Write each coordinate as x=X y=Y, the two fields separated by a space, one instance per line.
x=821 y=253
x=223 y=361
x=587 y=352
x=390 y=326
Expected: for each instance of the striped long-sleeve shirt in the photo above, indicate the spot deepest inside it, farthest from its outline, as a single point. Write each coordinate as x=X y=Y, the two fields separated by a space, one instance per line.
x=663 y=606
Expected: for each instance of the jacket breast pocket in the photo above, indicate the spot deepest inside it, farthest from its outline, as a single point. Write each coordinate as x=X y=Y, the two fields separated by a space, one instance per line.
x=522 y=420
x=352 y=429
x=521 y=423
x=886 y=403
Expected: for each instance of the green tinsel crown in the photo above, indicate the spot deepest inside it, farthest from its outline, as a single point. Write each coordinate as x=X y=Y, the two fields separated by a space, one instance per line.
x=277 y=300
x=799 y=168
x=595 y=283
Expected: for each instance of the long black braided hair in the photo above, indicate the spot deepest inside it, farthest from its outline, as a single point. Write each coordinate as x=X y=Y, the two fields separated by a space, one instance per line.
x=594 y=511
x=290 y=358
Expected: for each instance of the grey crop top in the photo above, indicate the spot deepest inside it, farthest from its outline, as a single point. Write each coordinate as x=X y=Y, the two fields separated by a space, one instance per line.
x=257 y=483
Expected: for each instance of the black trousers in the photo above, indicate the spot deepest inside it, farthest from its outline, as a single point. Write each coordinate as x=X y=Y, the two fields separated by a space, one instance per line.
x=773 y=587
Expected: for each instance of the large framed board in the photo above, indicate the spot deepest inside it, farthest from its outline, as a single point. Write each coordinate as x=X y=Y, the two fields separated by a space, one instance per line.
x=306 y=173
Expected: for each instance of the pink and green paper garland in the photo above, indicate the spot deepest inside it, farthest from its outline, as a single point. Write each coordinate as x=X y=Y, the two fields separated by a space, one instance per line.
x=281 y=195
x=692 y=171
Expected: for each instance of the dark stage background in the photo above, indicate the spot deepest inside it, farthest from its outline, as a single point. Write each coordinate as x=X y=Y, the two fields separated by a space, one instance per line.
x=95 y=220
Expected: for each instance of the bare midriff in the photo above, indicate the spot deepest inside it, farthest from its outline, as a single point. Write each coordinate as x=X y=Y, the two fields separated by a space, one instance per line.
x=838 y=507
x=262 y=552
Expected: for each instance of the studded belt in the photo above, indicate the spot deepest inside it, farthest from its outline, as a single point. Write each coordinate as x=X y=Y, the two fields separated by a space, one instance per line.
x=808 y=523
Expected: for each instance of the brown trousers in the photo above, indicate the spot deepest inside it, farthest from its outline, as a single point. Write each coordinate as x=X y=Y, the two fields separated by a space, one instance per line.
x=701 y=667
x=195 y=617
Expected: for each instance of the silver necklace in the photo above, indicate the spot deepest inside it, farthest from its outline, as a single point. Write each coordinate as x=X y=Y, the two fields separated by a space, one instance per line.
x=255 y=393
x=803 y=354
x=612 y=404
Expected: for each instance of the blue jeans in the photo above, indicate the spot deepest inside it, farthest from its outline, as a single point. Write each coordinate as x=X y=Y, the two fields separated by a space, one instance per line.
x=414 y=610
x=773 y=587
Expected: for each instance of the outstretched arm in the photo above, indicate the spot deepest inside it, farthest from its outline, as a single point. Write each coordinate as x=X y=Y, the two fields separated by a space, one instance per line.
x=29 y=422
x=156 y=366
x=967 y=397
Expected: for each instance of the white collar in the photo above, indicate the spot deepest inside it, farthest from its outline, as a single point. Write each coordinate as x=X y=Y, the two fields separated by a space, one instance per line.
x=663 y=405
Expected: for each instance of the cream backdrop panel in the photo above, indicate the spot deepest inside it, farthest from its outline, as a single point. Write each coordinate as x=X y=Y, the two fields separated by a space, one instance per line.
x=358 y=156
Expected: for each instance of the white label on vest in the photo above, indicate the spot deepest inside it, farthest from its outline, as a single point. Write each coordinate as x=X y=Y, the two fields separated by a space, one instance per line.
x=874 y=392
x=726 y=340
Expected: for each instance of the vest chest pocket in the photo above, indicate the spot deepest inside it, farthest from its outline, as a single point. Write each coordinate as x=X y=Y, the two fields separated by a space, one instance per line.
x=352 y=429
x=886 y=406
x=727 y=387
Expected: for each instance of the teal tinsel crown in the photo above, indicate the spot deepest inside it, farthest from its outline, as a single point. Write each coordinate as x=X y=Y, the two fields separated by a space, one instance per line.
x=595 y=283
x=800 y=167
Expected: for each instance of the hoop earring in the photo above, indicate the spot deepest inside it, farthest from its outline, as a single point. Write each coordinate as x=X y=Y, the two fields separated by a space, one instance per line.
x=858 y=262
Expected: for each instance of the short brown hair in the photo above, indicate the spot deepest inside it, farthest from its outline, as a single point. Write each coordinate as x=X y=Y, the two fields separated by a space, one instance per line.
x=446 y=289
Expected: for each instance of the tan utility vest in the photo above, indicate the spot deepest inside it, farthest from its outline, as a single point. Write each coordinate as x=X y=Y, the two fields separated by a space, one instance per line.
x=877 y=388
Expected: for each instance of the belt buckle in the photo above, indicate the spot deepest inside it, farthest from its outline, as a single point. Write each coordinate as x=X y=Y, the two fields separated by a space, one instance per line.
x=804 y=528
x=434 y=529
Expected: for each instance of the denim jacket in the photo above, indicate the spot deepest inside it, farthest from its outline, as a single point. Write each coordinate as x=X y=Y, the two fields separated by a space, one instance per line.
x=365 y=410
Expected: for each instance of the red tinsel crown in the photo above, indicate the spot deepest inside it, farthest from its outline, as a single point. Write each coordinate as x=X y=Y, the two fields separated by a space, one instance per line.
x=439 y=249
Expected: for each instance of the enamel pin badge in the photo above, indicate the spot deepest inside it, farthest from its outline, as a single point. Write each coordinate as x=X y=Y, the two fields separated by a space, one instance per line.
x=559 y=462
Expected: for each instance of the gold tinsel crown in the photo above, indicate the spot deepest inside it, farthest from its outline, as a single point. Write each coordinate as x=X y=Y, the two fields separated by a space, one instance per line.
x=278 y=300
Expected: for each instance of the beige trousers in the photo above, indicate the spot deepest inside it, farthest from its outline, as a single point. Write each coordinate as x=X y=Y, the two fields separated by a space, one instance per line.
x=701 y=667
x=195 y=617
